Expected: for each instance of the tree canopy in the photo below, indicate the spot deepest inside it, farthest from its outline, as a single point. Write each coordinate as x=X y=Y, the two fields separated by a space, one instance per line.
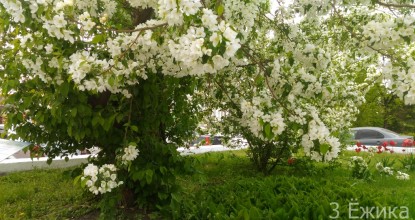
x=135 y=77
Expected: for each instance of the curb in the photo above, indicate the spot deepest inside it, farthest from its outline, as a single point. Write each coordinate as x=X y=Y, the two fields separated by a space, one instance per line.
x=24 y=164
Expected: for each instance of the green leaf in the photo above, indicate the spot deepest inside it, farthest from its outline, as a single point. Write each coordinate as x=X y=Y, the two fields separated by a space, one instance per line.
x=138 y=175
x=134 y=128
x=220 y=9
x=69 y=130
x=107 y=124
x=111 y=80
x=149 y=176
x=267 y=130
x=76 y=180
x=83 y=182
x=324 y=148
x=176 y=197
x=95 y=120
x=98 y=39
x=64 y=87
x=254 y=213
x=259 y=79
x=163 y=170
x=74 y=111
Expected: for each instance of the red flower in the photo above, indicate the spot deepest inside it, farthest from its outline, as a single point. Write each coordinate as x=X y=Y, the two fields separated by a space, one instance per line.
x=407 y=143
x=392 y=143
x=358 y=149
x=36 y=148
x=291 y=161
x=385 y=143
x=358 y=143
x=379 y=147
x=364 y=147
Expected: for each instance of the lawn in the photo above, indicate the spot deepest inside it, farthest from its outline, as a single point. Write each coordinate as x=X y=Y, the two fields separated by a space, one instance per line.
x=42 y=194
x=226 y=186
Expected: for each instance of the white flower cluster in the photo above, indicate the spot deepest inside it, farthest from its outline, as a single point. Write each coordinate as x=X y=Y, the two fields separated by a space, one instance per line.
x=172 y=11
x=100 y=180
x=90 y=6
x=386 y=170
x=242 y=15
x=401 y=79
x=358 y=163
x=130 y=153
x=389 y=32
x=36 y=69
x=57 y=27
x=62 y=4
x=86 y=23
x=143 y=3
x=253 y=113
x=190 y=48
x=85 y=67
x=15 y=9
x=402 y=176
x=389 y=171
x=317 y=131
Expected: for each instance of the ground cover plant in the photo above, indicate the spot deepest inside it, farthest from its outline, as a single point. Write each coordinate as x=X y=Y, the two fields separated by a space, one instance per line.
x=227 y=189
x=42 y=194
x=227 y=186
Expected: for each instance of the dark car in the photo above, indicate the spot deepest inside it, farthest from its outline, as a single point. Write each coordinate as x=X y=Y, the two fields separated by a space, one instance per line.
x=375 y=136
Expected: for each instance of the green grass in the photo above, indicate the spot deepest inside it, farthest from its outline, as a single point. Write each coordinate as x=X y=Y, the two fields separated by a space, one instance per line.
x=224 y=186
x=226 y=179
x=41 y=194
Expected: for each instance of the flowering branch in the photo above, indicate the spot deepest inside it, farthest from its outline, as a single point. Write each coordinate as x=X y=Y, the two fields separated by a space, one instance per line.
x=262 y=67
x=138 y=29
x=395 y=5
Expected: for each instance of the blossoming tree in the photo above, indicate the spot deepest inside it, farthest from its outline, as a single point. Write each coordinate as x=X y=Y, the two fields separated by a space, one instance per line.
x=130 y=77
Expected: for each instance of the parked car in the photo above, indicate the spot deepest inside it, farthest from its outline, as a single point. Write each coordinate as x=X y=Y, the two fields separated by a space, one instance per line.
x=219 y=140
x=207 y=140
x=375 y=136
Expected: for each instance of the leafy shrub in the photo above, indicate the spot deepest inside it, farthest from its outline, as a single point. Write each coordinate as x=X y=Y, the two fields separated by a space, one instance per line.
x=408 y=162
x=387 y=161
x=359 y=168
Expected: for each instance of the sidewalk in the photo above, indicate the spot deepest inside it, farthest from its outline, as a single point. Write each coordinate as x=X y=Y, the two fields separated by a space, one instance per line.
x=22 y=161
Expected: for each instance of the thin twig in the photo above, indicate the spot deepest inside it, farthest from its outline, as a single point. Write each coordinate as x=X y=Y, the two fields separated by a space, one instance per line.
x=138 y=29
x=129 y=119
x=239 y=111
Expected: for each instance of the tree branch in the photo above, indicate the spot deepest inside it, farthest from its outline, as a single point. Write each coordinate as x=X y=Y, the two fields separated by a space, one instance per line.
x=138 y=29
x=395 y=5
